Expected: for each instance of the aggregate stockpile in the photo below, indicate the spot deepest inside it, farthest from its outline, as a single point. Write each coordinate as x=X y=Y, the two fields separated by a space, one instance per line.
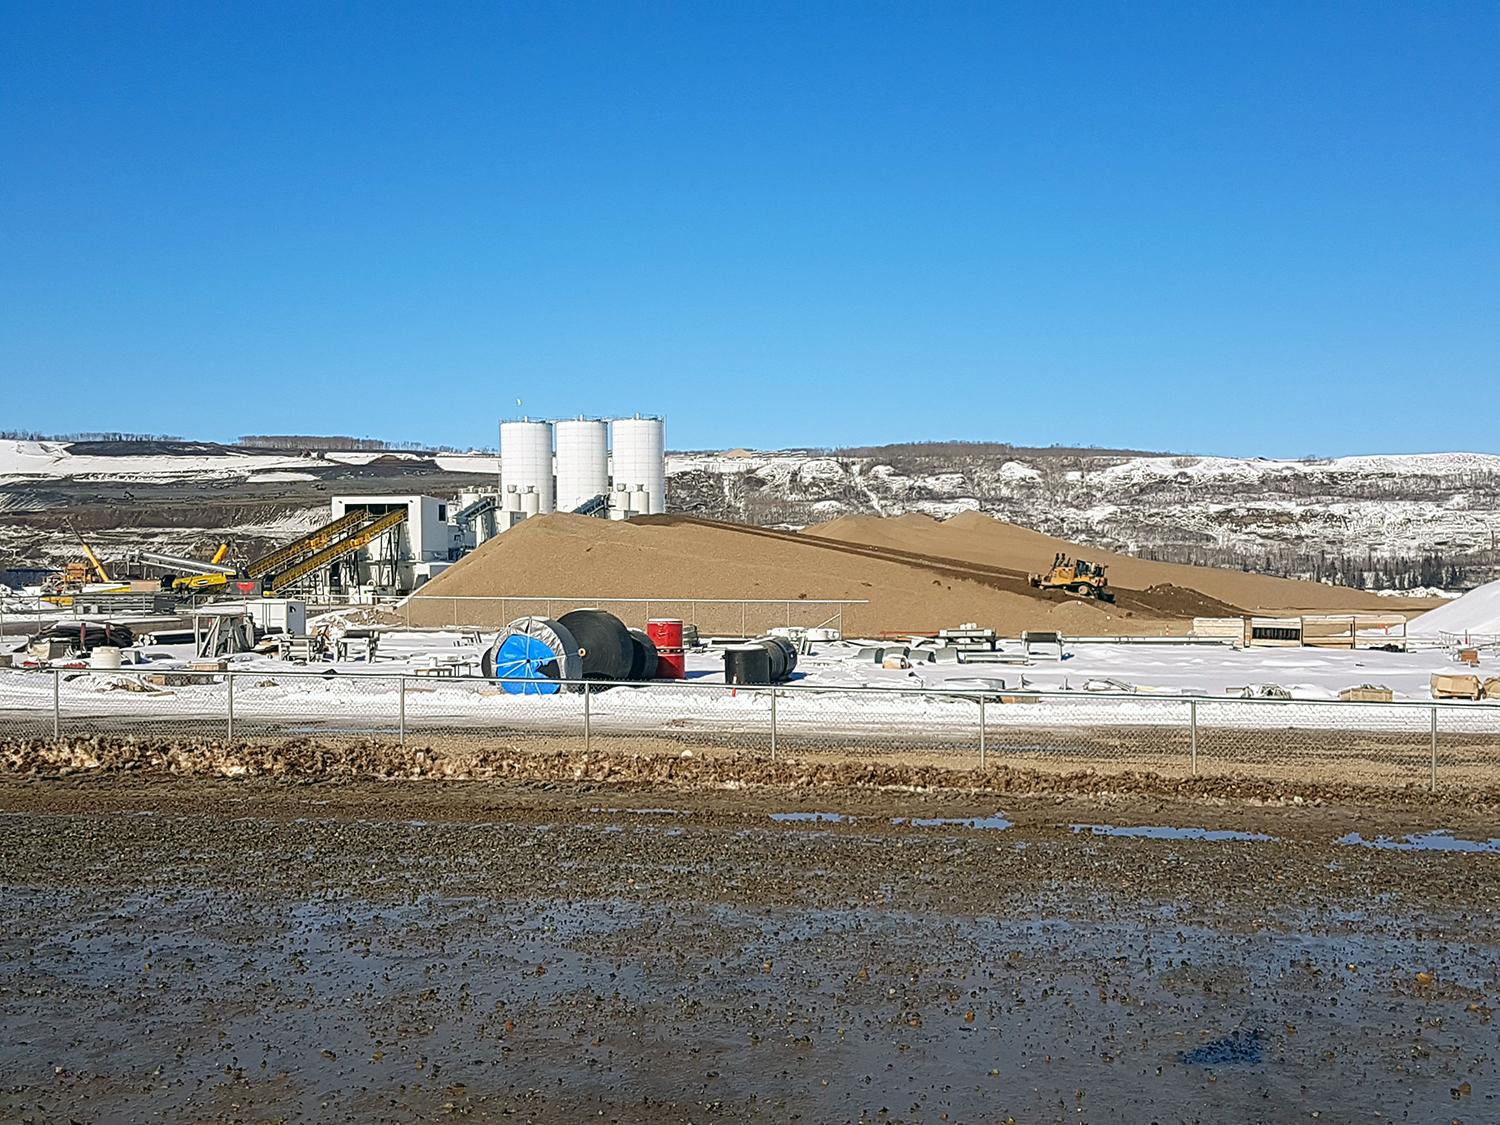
x=1476 y=614
x=665 y=557
x=977 y=538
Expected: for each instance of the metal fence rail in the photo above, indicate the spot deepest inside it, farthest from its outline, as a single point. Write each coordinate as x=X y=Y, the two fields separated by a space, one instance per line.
x=739 y=616
x=1431 y=745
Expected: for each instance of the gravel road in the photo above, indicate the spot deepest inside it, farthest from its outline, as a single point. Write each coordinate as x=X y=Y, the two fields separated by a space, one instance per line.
x=360 y=950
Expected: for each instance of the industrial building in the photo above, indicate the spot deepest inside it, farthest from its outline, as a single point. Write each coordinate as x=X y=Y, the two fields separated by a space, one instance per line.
x=409 y=552
x=611 y=469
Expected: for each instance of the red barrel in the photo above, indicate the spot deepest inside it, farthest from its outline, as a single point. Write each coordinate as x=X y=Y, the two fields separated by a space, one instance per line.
x=665 y=632
x=666 y=635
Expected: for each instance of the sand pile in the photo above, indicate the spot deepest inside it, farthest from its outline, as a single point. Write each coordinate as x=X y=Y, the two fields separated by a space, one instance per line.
x=666 y=557
x=1477 y=612
x=977 y=538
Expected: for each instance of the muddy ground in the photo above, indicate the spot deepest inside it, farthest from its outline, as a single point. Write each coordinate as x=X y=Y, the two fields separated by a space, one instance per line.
x=556 y=950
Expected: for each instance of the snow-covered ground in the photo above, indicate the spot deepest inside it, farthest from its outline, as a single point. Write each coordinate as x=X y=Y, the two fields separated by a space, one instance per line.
x=42 y=460
x=834 y=693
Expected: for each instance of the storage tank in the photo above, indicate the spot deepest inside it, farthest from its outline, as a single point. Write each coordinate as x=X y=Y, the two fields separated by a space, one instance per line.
x=526 y=461
x=639 y=454
x=582 y=461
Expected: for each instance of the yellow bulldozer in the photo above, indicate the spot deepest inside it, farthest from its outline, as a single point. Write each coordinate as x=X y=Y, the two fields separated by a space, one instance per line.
x=1080 y=578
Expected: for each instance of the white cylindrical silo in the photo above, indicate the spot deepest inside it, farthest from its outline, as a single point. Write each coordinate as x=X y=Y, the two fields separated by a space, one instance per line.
x=639 y=456
x=526 y=460
x=531 y=502
x=582 y=461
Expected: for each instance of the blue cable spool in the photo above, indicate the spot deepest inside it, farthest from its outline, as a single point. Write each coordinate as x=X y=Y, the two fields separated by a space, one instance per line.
x=528 y=660
x=531 y=656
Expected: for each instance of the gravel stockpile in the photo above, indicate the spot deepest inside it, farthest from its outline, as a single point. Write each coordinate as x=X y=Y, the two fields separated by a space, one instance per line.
x=977 y=538
x=666 y=557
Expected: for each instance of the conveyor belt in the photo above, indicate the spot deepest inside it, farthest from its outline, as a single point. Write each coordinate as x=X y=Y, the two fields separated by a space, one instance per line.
x=337 y=549
x=283 y=557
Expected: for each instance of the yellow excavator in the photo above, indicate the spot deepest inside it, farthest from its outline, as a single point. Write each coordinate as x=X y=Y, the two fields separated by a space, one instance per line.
x=1083 y=579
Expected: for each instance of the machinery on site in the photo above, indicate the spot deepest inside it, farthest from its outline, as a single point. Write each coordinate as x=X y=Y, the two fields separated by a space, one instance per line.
x=214 y=577
x=1078 y=577
x=190 y=576
x=320 y=548
x=80 y=577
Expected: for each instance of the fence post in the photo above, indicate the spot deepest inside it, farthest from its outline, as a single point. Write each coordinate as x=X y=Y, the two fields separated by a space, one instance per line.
x=1193 y=733
x=1432 y=780
x=56 y=704
x=742 y=620
x=982 y=733
x=588 y=724
x=229 y=686
x=773 y=724
x=401 y=689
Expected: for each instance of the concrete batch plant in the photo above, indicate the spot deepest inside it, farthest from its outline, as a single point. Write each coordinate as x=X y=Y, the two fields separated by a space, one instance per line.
x=590 y=466
x=377 y=545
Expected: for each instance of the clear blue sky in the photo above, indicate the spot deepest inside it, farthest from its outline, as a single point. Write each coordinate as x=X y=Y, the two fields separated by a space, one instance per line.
x=1251 y=229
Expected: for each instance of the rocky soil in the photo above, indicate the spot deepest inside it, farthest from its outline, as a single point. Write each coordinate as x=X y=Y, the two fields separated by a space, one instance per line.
x=723 y=946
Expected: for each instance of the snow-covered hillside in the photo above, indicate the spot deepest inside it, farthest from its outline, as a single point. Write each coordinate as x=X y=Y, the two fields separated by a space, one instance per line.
x=1215 y=508
x=1264 y=514
x=40 y=461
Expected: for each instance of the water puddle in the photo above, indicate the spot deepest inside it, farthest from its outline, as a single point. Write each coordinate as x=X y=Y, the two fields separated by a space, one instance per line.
x=1232 y=1050
x=995 y=823
x=1439 y=841
x=1167 y=832
x=811 y=817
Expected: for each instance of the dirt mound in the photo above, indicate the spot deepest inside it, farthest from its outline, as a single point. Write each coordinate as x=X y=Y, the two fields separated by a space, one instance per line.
x=981 y=539
x=673 y=557
x=301 y=760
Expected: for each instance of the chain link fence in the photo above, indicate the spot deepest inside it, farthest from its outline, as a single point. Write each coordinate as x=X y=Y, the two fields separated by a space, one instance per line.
x=741 y=617
x=1432 y=745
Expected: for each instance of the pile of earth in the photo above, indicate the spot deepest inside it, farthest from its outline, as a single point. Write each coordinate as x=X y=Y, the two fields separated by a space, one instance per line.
x=980 y=539
x=574 y=558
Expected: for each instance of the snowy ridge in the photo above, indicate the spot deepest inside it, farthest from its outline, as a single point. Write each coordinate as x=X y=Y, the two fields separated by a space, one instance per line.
x=22 y=461
x=1219 y=507
x=1260 y=513
x=44 y=460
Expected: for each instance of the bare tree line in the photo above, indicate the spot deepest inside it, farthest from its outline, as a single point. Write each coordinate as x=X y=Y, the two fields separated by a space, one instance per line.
x=86 y=435
x=341 y=443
